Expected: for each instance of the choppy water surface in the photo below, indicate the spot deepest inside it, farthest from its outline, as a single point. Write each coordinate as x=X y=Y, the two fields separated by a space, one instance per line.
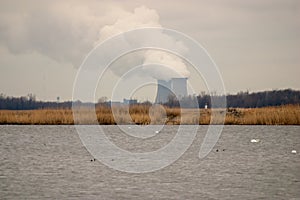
x=39 y=162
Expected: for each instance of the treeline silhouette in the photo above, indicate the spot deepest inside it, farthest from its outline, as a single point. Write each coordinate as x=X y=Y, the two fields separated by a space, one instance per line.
x=239 y=100
x=29 y=103
x=257 y=99
x=263 y=99
x=244 y=99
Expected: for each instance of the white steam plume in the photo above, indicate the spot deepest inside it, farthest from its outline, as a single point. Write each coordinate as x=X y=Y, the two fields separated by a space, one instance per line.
x=67 y=31
x=157 y=63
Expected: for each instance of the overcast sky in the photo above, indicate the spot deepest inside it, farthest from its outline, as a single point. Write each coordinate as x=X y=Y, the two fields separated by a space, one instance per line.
x=256 y=44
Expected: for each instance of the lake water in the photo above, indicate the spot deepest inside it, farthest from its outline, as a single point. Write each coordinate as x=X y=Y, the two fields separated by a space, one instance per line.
x=40 y=162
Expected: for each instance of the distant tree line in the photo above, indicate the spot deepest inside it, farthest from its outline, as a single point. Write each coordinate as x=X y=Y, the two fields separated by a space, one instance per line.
x=263 y=99
x=239 y=100
x=29 y=103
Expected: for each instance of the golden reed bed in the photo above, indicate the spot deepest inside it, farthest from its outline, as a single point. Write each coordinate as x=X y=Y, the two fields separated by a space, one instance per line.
x=141 y=114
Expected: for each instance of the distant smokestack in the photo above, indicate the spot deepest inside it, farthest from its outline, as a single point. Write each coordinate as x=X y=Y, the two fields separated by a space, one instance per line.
x=176 y=86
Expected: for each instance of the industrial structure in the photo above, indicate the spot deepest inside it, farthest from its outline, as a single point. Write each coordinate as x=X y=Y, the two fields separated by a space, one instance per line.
x=130 y=101
x=174 y=87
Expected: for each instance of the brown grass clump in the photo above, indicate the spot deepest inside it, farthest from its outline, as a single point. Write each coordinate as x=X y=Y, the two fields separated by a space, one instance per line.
x=37 y=117
x=156 y=114
x=282 y=115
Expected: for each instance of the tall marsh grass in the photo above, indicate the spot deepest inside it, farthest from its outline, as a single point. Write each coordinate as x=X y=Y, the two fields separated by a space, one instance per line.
x=147 y=114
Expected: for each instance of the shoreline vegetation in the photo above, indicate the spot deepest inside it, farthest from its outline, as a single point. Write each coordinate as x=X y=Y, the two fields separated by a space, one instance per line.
x=145 y=114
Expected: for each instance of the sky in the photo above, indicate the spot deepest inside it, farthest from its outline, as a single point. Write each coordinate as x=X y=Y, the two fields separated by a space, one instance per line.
x=255 y=44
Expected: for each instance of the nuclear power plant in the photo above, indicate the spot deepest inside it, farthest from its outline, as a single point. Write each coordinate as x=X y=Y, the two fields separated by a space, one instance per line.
x=175 y=87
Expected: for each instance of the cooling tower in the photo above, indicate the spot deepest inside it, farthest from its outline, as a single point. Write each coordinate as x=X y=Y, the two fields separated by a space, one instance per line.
x=176 y=86
x=179 y=87
x=163 y=91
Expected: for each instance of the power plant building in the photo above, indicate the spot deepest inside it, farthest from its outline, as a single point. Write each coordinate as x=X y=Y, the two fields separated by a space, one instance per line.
x=175 y=86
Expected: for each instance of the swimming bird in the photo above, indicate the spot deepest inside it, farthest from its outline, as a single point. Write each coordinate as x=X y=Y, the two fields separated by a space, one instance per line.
x=255 y=140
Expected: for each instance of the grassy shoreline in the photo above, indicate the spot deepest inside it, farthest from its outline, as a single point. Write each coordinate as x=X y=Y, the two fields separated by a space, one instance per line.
x=143 y=115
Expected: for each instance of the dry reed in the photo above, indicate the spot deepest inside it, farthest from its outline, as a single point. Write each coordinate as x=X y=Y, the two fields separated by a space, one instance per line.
x=147 y=114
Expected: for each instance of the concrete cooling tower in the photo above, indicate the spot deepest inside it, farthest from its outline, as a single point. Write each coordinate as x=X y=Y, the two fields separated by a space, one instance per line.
x=163 y=91
x=176 y=86
x=179 y=87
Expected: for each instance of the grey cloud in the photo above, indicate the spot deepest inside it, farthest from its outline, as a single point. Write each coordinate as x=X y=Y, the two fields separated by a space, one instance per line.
x=66 y=32
x=63 y=31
